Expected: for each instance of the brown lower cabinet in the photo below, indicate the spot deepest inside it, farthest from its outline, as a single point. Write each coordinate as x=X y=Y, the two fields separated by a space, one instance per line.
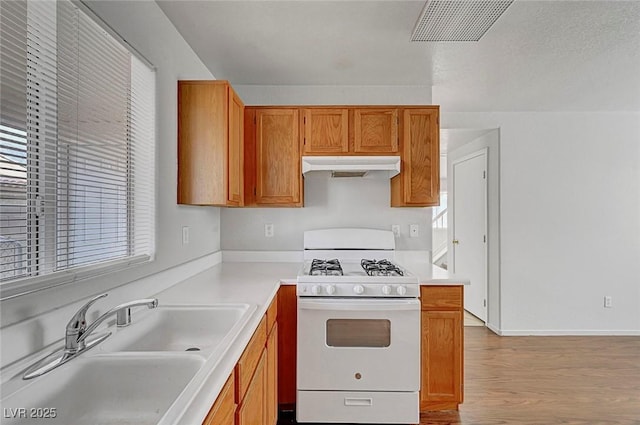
x=441 y=347
x=223 y=411
x=271 y=412
x=252 y=409
x=250 y=395
x=264 y=379
x=441 y=376
x=287 y=343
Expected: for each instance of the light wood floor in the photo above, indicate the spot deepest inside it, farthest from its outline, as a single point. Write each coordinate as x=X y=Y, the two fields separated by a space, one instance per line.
x=547 y=380
x=471 y=320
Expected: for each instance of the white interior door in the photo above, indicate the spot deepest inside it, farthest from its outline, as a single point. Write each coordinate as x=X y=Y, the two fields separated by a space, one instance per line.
x=469 y=244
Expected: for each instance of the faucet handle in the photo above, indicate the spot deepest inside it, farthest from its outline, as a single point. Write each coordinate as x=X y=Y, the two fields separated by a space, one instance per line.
x=78 y=321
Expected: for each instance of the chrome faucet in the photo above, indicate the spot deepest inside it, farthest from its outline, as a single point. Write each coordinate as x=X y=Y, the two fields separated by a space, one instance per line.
x=77 y=326
x=77 y=333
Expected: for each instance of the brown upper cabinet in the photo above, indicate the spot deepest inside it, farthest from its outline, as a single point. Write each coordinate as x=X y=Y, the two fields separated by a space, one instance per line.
x=210 y=144
x=375 y=131
x=272 y=148
x=326 y=131
x=229 y=155
x=339 y=130
x=418 y=184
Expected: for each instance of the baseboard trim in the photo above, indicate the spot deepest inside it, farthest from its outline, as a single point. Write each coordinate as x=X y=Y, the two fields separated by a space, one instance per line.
x=494 y=329
x=432 y=406
x=568 y=332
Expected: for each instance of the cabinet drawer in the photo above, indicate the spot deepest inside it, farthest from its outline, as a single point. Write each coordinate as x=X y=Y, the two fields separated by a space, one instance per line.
x=249 y=359
x=224 y=407
x=441 y=297
x=272 y=314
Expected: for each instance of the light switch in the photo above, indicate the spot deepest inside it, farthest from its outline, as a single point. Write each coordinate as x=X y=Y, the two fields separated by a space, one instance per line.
x=185 y=235
x=414 y=230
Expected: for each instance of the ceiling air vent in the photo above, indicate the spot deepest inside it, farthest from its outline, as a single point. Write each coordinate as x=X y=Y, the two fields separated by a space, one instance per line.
x=457 y=20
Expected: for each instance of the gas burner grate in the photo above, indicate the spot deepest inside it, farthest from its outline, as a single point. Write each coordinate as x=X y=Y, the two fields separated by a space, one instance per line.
x=326 y=268
x=381 y=268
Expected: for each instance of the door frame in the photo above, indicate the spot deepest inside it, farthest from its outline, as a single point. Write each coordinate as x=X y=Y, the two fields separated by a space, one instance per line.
x=451 y=207
x=487 y=138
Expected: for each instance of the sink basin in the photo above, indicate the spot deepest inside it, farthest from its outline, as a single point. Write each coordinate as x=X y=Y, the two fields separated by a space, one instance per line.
x=136 y=375
x=101 y=390
x=179 y=328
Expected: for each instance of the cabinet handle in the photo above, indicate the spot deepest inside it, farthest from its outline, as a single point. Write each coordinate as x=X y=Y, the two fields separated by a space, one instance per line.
x=358 y=402
x=455 y=242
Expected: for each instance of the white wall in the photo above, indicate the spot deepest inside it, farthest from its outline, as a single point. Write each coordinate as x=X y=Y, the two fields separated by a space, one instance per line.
x=570 y=219
x=146 y=27
x=334 y=95
x=328 y=202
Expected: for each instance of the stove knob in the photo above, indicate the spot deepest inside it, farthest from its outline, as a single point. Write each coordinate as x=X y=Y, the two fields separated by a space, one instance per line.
x=386 y=290
x=331 y=289
x=316 y=290
x=358 y=289
x=401 y=290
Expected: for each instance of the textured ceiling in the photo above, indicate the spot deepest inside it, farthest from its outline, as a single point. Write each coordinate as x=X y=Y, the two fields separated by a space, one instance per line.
x=540 y=55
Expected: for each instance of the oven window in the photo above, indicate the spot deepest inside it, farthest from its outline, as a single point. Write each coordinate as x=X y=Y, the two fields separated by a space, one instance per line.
x=358 y=333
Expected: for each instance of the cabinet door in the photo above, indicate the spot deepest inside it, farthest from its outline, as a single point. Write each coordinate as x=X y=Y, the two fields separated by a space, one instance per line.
x=210 y=152
x=272 y=378
x=419 y=181
x=246 y=366
x=252 y=409
x=287 y=340
x=223 y=410
x=375 y=131
x=278 y=176
x=202 y=143
x=441 y=368
x=326 y=131
x=235 y=190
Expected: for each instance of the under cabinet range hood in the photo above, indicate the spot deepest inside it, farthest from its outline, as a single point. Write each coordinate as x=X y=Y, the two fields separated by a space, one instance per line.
x=352 y=166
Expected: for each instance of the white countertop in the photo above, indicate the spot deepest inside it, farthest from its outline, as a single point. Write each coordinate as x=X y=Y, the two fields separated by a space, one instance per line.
x=430 y=274
x=252 y=283
x=241 y=282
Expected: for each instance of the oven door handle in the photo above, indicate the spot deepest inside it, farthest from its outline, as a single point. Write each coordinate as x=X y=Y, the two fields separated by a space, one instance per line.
x=361 y=305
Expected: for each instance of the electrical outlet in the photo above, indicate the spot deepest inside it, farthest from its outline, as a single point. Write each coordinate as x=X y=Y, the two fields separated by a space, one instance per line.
x=268 y=230
x=414 y=230
x=185 y=235
x=607 y=301
x=395 y=228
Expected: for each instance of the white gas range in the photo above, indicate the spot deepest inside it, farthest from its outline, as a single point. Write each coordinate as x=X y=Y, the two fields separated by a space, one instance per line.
x=366 y=277
x=358 y=330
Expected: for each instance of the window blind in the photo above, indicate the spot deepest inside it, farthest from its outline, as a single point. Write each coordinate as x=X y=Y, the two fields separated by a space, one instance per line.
x=77 y=132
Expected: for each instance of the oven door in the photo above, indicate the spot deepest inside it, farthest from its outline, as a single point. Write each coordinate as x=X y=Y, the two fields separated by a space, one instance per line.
x=362 y=344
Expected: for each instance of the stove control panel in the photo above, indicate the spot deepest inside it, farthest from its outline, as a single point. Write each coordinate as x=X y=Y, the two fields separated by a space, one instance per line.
x=358 y=290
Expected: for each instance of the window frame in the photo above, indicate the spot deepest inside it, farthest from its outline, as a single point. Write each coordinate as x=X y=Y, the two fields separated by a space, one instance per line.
x=17 y=287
